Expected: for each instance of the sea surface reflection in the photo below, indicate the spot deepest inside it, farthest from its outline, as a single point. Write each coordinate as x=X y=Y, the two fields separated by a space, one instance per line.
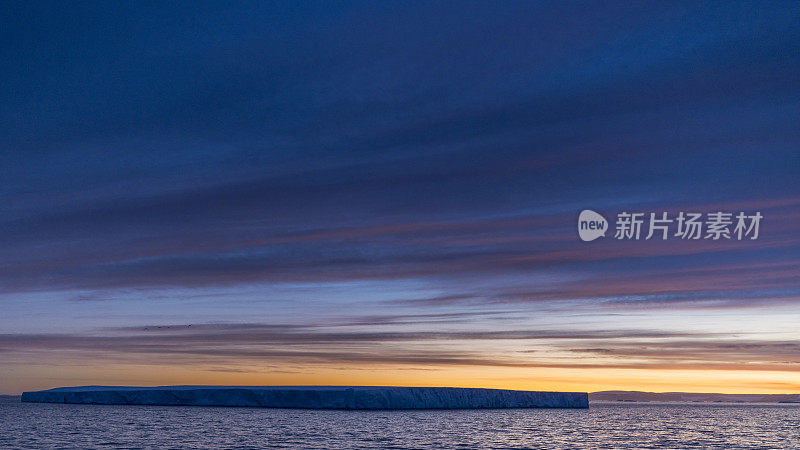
x=604 y=425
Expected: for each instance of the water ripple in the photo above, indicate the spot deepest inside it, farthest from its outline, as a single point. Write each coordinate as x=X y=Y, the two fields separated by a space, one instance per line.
x=606 y=425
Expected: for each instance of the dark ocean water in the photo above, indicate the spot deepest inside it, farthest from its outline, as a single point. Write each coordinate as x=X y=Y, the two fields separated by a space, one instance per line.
x=604 y=425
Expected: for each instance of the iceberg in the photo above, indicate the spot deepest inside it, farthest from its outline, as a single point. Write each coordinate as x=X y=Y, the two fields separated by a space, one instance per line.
x=312 y=397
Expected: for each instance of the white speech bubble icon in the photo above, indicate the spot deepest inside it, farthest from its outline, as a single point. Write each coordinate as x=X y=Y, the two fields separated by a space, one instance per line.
x=591 y=225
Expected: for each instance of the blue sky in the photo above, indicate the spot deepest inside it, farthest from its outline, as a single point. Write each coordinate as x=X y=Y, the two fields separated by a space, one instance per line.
x=387 y=186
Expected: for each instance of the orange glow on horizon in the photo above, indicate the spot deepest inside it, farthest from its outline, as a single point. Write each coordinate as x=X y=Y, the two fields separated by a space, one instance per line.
x=544 y=379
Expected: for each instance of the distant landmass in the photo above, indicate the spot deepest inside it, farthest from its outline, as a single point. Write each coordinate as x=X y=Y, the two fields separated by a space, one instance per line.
x=638 y=396
x=370 y=397
x=312 y=397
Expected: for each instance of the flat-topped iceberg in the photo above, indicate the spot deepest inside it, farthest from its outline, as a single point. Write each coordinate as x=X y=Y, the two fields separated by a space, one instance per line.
x=312 y=397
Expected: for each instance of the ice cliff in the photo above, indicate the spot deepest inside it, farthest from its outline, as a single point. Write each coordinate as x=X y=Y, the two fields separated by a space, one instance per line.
x=313 y=397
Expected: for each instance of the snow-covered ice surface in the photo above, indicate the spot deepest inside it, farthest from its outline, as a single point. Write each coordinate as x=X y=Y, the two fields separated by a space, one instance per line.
x=312 y=397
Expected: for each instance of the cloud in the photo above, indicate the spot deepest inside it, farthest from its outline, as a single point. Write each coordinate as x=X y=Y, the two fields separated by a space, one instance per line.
x=448 y=150
x=414 y=249
x=304 y=344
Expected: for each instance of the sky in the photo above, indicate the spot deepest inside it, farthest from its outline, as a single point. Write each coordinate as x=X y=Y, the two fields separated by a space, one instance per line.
x=387 y=193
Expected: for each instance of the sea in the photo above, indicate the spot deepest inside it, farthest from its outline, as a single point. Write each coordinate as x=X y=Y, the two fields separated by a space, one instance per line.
x=603 y=425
